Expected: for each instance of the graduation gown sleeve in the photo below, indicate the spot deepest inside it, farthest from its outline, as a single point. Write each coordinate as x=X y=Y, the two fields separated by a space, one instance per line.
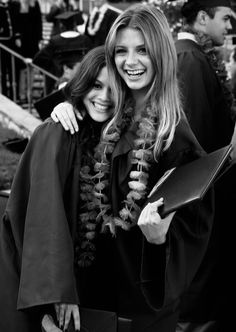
x=39 y=223
x=204 y=101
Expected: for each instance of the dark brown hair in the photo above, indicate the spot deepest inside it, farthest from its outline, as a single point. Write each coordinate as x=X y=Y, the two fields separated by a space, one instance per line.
x=85 y=76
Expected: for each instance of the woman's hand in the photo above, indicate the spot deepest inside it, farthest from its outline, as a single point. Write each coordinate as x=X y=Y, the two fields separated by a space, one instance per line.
x=64 y=312
x=153 y=227
x=48 y=324
x=66 y=115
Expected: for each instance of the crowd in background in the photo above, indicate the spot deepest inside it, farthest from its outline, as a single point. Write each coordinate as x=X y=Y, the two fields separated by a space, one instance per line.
x=21 y=29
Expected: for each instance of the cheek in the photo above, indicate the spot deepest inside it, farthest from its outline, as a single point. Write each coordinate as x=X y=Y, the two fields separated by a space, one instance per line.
x=86 y=102
x=118 y=64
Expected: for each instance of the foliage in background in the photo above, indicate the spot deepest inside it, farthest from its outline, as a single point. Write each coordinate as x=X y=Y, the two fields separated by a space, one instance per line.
x=172 y=10
x=8 y=159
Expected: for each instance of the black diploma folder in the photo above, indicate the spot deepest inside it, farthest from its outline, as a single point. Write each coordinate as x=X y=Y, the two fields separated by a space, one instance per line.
x=188 y=183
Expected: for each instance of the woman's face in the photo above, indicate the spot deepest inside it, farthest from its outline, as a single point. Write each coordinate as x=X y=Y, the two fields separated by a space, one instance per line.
x=98 y=101
x=132 y=61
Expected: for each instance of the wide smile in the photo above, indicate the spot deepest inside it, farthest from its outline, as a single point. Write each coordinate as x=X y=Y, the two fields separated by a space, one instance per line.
x=103 y=108
x=134 y=74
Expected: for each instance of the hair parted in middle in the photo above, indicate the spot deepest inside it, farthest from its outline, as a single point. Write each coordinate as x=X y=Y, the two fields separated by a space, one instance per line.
x=163 y=94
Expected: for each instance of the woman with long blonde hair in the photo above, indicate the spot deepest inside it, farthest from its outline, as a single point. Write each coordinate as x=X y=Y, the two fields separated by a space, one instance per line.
x=152 y=260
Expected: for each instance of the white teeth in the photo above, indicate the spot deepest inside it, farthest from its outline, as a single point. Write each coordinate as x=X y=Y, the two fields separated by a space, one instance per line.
x=101 y=107
x=135 y=72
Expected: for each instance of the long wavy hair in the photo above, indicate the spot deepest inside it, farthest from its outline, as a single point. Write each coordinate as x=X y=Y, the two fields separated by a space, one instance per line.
x=163 y=94
x=85 y=76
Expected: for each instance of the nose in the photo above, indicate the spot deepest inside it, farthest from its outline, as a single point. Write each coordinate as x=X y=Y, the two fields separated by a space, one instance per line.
x=106 y=94
x=131 y=58
x=229 y=25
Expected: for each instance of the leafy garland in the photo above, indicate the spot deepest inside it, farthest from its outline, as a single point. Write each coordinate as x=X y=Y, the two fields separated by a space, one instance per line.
x=97 y=212
x=93 y=27
x=217 y=64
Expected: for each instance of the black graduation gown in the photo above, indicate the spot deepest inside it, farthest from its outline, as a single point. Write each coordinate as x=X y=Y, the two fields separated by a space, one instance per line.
x=153 y=277
x=50 y=57
x=31 y=29
x=36 y=234
x=204 y=102
x=210 y=119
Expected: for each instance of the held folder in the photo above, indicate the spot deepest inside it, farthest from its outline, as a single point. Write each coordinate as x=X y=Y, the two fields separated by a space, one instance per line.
x=188 y=183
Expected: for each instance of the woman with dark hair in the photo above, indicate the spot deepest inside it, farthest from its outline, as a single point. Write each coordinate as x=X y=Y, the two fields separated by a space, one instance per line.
x=43 y=233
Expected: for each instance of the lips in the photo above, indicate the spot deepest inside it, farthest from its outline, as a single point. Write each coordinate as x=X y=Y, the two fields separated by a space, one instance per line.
x=135 y=73
x=101 y=107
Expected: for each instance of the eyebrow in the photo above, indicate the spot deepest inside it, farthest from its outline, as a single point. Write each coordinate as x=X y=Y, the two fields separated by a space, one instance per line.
x=137 y=46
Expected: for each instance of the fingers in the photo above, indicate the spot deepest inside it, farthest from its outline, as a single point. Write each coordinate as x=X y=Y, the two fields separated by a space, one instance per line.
x=149 y=214
x=67 y=318
x=72 y=310
x=76 y=316
x=66 y=122
x=54 y=117
x=57 y=309
x=48 y=324
x=64 y=113
x=62 y=315
x=155 y=205
x=78 y=115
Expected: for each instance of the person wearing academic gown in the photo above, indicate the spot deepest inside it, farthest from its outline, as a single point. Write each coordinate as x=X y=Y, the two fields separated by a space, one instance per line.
x=149 y=292
x=99 y=22
x=149 y=276
x=67 y=47
x=9 y=36
x=38 y=230
x=209 y=107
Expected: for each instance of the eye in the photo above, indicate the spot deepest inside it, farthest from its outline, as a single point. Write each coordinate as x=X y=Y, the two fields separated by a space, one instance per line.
x=142 y=50
x=119 y=50
x=97 y=85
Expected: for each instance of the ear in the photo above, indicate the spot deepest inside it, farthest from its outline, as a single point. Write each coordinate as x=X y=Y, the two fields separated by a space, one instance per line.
x=202 y=18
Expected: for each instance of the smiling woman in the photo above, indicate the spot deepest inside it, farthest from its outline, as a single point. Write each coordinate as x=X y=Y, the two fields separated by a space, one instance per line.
x=132 y=61
x=98 y=101
x=149 y=257
x=49 y=197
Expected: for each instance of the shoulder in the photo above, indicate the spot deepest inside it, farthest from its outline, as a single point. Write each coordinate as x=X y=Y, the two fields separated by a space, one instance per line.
x=190 y=50
x=51 y=135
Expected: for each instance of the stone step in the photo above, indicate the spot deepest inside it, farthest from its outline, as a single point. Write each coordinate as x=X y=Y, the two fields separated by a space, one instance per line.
x=16 y=118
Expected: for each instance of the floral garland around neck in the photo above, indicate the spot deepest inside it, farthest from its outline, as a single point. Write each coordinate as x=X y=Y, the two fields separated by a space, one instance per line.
x=99 y=217
x=93 y=27
x=217 y=64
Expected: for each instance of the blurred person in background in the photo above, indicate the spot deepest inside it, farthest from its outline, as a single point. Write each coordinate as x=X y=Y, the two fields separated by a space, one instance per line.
x=64 y=49
x=99 y=21
x=59 y=7
x=28 y=21
x=209 y=106
x=10 y=37
x=232 y=70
